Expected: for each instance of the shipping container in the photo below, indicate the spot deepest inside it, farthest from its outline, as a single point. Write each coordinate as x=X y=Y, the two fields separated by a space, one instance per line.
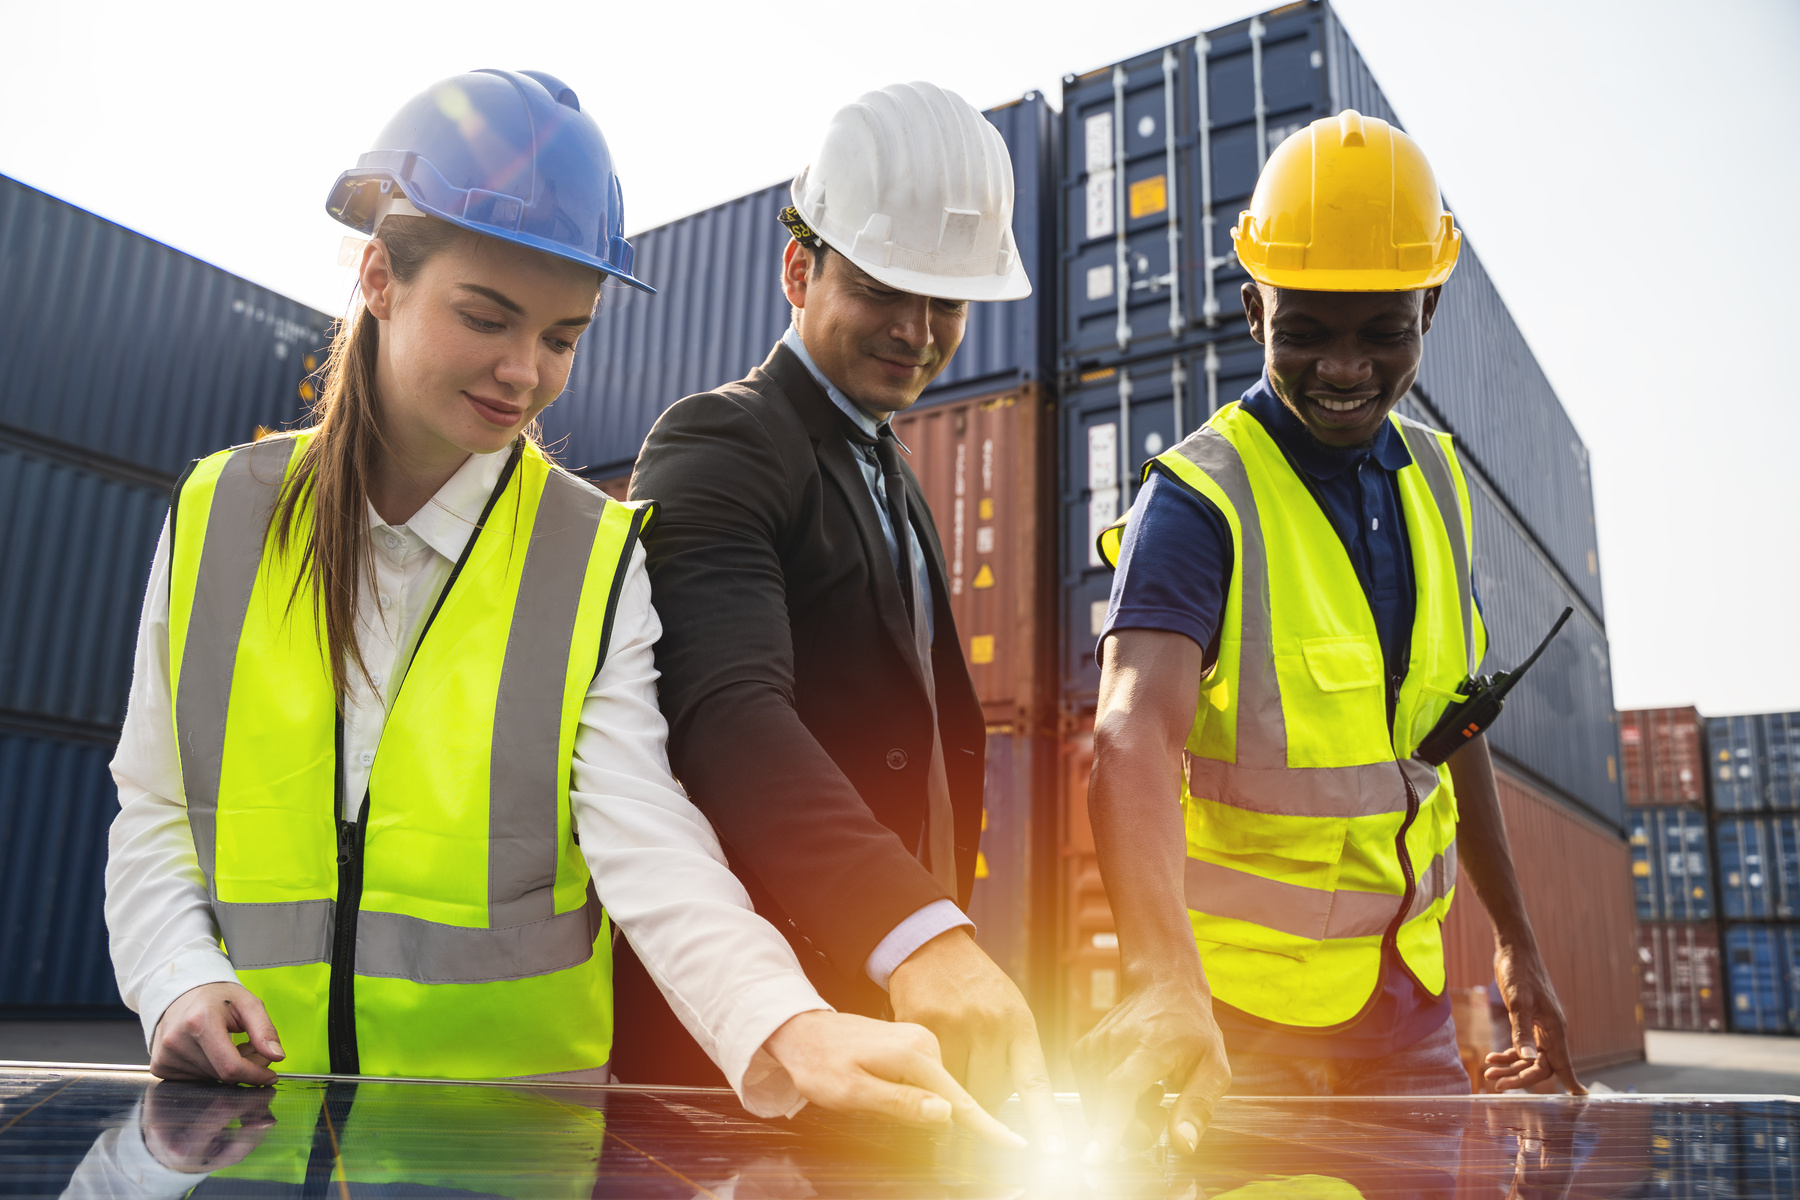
x=1757 y=968
x=1008 y=866
x=1662 y=755
x=980 y=464
x=1671 y=864
x=1748 y=869
x=57 y=801
x=1567 y=864
x=1558 y=728
x=719 y=310
x=1781 y=760
x=1735 y=752
x=130 y=357
x=1681 y=984
x=1160 y=152
x=75 y=555
x=1572 y=871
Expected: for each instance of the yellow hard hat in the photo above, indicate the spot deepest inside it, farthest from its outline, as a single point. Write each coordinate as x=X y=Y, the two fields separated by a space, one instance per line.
x=1348 y=204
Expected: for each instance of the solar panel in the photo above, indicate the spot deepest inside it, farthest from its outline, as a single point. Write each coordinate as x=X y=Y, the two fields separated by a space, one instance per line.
x=70 y=1131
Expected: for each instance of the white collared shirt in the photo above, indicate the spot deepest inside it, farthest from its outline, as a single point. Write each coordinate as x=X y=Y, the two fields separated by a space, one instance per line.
x=656 y=862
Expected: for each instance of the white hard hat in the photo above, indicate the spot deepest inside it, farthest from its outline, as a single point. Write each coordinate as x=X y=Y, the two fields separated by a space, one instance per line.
x=914 y=186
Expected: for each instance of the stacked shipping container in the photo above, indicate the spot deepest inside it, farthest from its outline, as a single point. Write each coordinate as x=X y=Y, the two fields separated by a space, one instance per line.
x=1743 y=849
x=120 y=360
x=1664 y=758
x=1755 y=779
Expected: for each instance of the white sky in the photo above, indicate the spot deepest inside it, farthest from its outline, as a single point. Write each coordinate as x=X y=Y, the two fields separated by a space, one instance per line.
x=1627 y=172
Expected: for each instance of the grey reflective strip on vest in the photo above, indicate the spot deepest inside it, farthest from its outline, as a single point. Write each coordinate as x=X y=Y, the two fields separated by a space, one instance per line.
x=1304 y=912
x=258 y=936
x=393 y=946
x=1361 y=791
x=244 y=496
x=1434 y=464
x=1261 y=727
x=527 y=771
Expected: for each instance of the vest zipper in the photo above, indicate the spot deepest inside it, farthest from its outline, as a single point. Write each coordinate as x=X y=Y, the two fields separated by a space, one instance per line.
x=341 y=1024
x=1392 y=936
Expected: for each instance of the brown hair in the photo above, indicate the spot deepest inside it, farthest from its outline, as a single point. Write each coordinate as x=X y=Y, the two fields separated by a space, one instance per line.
x=347 y=443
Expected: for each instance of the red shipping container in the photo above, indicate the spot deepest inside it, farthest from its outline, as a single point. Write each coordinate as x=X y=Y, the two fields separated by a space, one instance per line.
x=1679 y=964
x=1663 y=756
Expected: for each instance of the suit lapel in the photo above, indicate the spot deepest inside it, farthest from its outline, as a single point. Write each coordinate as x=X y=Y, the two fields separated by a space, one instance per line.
x=831 y=432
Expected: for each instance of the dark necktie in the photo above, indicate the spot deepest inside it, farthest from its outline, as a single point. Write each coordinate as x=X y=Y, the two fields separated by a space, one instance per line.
x=940 y=824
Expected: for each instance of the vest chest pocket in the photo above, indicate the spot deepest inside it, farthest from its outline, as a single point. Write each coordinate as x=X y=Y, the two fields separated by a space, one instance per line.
x=1262 y=881
x=1342 y=664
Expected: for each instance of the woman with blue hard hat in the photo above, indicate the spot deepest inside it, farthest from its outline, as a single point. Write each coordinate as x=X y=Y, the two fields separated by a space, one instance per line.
x=393 y=764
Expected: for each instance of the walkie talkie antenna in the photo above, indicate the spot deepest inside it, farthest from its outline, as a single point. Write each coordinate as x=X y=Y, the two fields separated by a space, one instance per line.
x=1504 y=684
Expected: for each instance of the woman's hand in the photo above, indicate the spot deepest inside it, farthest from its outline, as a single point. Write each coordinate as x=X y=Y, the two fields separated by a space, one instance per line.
x=193 y=1038
x=847 y=1063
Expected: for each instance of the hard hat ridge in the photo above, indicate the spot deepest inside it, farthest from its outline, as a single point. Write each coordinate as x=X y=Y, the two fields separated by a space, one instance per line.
x=506 y=154
x=915 y=187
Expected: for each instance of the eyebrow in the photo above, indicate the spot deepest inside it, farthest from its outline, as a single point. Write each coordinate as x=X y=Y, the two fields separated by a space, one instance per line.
x=512 y=306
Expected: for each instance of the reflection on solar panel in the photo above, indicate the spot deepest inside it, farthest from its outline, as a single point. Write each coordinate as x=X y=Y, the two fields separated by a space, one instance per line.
x=98 y=1133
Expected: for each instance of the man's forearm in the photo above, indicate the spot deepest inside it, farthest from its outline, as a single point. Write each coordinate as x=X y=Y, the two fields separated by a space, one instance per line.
x=1482 y=846
x=1148 y=693
x=1134 y=807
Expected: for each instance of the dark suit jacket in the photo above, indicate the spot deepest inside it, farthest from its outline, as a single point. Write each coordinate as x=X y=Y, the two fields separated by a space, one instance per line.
x=798 y=720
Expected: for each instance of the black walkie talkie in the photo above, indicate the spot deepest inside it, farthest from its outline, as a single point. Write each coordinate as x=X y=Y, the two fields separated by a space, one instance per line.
x=1466 y=718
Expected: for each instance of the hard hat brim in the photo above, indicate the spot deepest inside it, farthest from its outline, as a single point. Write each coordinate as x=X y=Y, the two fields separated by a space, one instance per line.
x=338 y=202
x=1014 y=285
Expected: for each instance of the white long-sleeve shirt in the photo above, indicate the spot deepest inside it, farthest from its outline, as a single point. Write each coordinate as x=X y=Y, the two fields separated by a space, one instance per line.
x=656 y=862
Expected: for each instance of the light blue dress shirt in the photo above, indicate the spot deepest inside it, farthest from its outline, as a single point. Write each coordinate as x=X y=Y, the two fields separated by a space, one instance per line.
x=940 y=916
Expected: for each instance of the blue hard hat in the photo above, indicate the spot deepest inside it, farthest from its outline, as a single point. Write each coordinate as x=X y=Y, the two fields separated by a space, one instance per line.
x=508 y=154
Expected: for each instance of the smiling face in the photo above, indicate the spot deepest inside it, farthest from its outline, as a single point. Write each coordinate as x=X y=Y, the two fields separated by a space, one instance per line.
x=880 y=345
x=1340 y=361
x=474 y=346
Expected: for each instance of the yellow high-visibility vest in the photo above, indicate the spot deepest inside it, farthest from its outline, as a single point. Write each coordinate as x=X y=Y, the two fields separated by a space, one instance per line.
x=1313 y=834
x=453 y=931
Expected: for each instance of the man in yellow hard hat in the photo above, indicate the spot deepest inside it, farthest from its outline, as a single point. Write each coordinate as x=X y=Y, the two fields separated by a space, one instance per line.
x=1293 y=611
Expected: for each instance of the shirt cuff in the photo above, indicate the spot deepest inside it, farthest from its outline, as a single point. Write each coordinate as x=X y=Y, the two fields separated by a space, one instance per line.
x=184 y=973
x=940 y=916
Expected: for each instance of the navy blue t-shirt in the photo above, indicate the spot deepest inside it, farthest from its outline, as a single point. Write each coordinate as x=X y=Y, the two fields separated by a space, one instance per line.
x=1174 y=574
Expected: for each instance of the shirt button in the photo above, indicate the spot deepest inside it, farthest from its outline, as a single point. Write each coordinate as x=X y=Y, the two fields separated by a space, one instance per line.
x=387 y=601
x=366 y=759
x=896 y=759
x=375 y=678
x=391 y=541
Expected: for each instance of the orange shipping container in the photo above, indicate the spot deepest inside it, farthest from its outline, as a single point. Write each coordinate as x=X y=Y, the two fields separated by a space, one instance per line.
x=1663 y=756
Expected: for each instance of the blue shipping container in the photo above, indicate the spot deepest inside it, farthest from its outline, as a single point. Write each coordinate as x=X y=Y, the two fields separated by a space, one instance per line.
x=1780 y=734
x=57 y=801
x=1757 y=966
x=720 y=309
x=75 y=554
x=129 y=355
x=1559 y=726
x=1671 y=869
x=1749 y=870
x=1733 y=748
x=1001 y=905
x=1161 y=152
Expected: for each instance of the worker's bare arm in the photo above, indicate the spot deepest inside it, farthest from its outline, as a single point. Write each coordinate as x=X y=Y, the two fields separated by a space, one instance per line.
x=1163 y=1028
x=1540 y=1046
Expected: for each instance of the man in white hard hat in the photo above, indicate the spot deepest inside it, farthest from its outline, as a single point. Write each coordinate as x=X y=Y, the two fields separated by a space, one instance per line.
x=820 y=710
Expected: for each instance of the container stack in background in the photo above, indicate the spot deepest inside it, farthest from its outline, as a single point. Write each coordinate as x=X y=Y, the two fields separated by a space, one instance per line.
x=1754 y=773
x=120 y=360
x=1664 y=757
